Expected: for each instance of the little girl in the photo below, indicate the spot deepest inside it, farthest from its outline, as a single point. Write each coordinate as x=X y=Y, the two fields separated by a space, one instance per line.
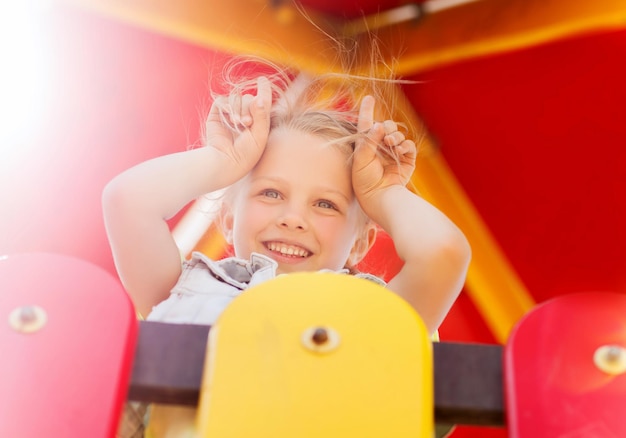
x=309 y=174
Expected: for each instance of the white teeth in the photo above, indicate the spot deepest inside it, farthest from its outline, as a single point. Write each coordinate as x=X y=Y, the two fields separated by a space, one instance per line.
x=287 y=249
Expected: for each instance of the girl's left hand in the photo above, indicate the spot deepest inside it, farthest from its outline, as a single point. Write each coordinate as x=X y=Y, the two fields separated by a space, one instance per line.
x=383 y=157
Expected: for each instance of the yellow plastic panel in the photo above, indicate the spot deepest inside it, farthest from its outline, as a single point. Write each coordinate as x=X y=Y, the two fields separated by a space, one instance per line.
x=268 y=375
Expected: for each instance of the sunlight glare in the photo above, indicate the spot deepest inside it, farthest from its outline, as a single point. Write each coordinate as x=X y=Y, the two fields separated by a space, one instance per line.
x=24 y=75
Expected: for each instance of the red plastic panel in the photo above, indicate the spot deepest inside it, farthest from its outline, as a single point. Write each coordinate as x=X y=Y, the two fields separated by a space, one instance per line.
x=68 y=339
x=553 y=385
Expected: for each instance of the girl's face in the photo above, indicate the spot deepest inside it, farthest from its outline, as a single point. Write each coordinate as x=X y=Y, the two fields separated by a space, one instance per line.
x=297 y=206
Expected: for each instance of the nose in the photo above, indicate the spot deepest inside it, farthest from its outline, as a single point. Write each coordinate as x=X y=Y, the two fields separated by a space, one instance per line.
x=292 y=218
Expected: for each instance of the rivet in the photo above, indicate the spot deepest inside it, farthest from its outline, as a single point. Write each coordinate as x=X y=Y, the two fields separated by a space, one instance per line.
x=320 y=339
x=610 y=359
x=27 y=319
x=320 y=336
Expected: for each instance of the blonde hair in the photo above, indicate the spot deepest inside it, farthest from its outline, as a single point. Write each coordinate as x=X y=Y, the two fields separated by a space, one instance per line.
x=324 y=105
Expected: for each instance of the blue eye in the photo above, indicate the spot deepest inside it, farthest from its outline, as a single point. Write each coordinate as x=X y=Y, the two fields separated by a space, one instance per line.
x=326 y=204
x=269 y=193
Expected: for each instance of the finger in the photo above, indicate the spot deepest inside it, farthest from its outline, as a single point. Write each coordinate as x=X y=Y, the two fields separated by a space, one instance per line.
x=366 y=149
x=261 y=104
x=366 y=114
x=390 y=126
x=246 y=117
x=234 y=103
x=215 y=111
x=260 y=108
x=408 y=149
x=394 y=138
x=263 y=98
x=365 y=125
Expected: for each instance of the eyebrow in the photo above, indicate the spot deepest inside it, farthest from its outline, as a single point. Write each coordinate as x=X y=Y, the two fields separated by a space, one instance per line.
x=323 y=189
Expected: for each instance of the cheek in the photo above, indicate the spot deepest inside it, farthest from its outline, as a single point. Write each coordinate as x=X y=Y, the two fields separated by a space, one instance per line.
x=249 y=217
x=336 y=231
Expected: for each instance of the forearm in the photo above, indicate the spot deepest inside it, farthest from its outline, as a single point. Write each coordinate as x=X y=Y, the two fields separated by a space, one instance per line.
x=138 y=202
x=136 y=206
x=164 y=185
x=417 y=228
x=435 y=253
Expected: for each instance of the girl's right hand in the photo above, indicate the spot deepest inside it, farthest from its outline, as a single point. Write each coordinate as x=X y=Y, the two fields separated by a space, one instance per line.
x=238 y=128
x=138 y=202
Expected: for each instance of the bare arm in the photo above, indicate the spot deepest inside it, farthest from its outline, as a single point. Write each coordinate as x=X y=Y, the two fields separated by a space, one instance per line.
x=138 y=202
x=435 y=252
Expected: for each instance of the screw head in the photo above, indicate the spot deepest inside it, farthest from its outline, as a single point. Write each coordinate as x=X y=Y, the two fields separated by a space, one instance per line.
x=28 y=319
x=610 y=359
x=320 y=339
x=319 y=336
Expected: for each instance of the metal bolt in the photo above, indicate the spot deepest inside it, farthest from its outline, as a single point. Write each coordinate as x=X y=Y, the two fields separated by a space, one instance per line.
x=27 y=319
x=320 y=336
x=320 y=339
x=610 y=359
x=27 y=314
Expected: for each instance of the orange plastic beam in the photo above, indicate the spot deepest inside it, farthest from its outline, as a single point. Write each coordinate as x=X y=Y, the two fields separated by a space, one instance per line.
x=489 y=27
x=492 y=283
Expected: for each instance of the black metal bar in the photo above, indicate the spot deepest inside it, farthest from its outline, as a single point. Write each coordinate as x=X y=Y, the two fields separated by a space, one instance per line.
x=468 y=384
x=169 y=362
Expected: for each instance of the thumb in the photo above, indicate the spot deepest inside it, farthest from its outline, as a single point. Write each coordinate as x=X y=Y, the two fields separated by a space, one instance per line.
x=370 y=132
x=366 y=114
x=260 y=110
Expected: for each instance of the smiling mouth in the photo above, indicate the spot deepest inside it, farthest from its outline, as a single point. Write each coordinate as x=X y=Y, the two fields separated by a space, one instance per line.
x=288 y=250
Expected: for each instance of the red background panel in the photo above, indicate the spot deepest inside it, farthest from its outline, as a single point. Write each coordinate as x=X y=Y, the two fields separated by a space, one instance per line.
x=535 y=137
